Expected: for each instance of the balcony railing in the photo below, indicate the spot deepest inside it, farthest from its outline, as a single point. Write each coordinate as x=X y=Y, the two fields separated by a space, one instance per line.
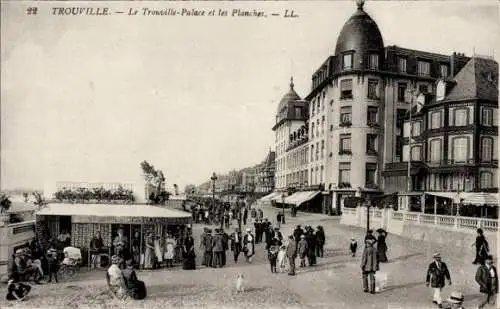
x=461 y=223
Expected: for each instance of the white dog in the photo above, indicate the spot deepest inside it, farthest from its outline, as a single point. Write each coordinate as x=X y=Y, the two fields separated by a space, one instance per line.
x=240 y=283
x=381 y=281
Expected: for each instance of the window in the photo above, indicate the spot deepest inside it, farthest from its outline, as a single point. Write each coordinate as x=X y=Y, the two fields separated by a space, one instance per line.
x=347 y=61
x=297 y=112
x=324 y=96
x=423 y=88
x=312 y=107
x=371 y=143
x=345 y=173
x=435 y=150
x=444 y=70
x=312 y=152
x=424 y=68
x=372 y=89
x=415 y=129
x=331 y=127
x=460 y=117
x=486 y=180
x=371 y=169
x=317 y=151
x=416 y=153
x=312 y=130
x=486 y=149
x=321 y=174
x=402 y=64
x=372 y=115
x=322 y=124
x=345 y=143
x=436 y=120
x=322 y=149
x=346 y=89
x=331 y=102
x=460 y=149
x=318 y=104
x=401 y=92
x=317 y=127
x=373 y=62
x=487 y=117
x=345 y=114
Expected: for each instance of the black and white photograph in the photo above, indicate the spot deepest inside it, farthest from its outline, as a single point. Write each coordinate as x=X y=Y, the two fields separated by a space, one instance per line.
x=249 y=154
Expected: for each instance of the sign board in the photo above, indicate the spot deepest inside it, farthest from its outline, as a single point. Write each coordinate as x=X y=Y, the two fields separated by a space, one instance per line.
x=129 y=220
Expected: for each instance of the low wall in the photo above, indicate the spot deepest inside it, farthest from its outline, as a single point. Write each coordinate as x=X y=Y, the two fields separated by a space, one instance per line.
x=443 y=230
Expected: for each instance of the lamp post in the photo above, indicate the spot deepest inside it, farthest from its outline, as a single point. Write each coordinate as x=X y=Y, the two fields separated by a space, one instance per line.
x=214 y=179
x=283 y=207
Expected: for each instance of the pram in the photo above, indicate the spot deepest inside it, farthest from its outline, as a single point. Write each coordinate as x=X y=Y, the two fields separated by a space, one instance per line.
x=71 y=262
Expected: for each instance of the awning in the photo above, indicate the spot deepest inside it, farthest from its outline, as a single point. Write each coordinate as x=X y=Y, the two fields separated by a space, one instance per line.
x=451 y=195
x=116 y=213
x=269 y=197
x=479 y=198
x=301 y=197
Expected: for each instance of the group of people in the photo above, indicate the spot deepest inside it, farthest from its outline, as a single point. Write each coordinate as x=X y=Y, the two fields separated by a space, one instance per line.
x=303 y=243
x=209 y=212
x=122 y=281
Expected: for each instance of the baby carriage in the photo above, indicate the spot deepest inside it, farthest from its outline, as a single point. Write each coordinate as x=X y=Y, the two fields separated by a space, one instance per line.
x=71 y=262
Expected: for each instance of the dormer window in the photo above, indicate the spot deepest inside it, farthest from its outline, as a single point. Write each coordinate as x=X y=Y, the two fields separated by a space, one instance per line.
x=444 y=70
x=373 y=62
x=424 y=68
x=347 y=60
x=402 y=64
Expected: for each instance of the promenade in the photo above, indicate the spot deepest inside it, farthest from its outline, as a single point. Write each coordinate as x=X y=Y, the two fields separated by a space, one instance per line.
x=334 y=283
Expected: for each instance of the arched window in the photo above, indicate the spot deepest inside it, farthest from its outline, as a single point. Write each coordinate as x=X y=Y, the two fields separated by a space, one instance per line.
x=486 y=180
x=486 y=149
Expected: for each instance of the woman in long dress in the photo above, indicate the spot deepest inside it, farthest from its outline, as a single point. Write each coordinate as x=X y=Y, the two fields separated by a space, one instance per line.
x=149 y=252
x=170 y=244
x=158 y=250
x=281 y=267
x=381 y=246
x=189 y=256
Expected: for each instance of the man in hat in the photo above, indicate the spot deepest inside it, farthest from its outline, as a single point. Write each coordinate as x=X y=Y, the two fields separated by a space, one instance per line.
x=208 y=245
x=456 y=300
x=277 y=233
x=258 y=231
x=436 y=275
x=487 y=278
x=369 y=235
x=303 y=250
x=236 y=243
x=202 y=243
x=218 y=248
x=369 y=266
x=291 y=254
x=297 y=232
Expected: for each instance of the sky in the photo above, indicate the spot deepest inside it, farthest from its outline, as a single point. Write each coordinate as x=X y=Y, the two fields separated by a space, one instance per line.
x=88 y=98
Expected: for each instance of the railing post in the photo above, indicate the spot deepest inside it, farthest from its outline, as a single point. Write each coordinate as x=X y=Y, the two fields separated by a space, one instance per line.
x=418 y=218
x=456 y=222
x=435 y=219
x=479 y=223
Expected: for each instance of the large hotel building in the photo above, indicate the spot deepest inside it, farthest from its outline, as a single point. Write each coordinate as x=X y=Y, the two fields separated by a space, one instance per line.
x=347 y=137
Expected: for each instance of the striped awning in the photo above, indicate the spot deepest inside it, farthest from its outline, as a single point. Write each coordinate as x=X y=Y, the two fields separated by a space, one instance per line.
x=270 y=197
x=301 y=197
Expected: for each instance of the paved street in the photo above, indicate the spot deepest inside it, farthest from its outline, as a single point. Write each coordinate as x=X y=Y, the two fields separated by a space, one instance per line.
x=334 y=283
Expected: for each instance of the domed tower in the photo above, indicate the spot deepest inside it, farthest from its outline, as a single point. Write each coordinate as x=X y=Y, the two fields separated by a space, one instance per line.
x=290 y=117
x=348 y=93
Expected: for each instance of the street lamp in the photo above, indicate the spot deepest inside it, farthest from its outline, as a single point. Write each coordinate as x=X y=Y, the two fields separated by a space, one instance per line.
x=214 y=179
x=283 y=206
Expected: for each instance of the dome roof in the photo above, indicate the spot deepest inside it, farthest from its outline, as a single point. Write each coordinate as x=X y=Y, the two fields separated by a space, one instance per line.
x=291 y=96
x=360 y=34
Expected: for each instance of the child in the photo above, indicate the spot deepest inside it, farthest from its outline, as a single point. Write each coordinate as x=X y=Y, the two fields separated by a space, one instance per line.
x=17 y=291
x=53 y=263
x=354 y=246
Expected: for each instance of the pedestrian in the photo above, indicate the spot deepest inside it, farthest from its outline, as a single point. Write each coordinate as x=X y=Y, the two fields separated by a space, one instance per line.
x=369 y=235
x=273 y=249
x=277 y=233
x=456 y=300
x=291 y=254
x=16 y=290
x=257 y=226
x=353 y=246
x=311 y=246
x=303 y=249
x=320 y=241
x=218 y=248
x=236 y=244
x=436 y=275
x=225 y=241
x=208 y=245
x=245 y=215
x=226 y=218
x=369 y=266
x=297 y=232
x=249 y=245
x=202 y=244
x=260 y=214
x=487 y=278
x=170 y=244
x=482 y=247
x=381 y=246
x=53 y=263
x=149 y=252
x=188 y=254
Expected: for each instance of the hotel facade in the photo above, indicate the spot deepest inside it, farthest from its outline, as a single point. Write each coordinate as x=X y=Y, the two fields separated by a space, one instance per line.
x=346 y=137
